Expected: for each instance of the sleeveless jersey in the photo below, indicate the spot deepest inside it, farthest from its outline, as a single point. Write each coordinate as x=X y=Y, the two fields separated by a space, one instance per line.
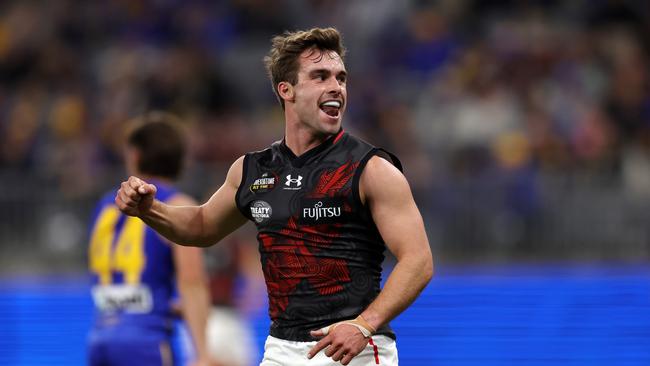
x=132 y=269
x=321 y=252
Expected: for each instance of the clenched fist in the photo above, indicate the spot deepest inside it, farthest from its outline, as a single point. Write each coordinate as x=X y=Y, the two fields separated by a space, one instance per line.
x=135 y=196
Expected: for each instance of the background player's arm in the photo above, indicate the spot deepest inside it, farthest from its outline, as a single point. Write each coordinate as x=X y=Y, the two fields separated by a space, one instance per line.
x=192 y=285
x=385 y=190
x=400 y=224
x=186 y=225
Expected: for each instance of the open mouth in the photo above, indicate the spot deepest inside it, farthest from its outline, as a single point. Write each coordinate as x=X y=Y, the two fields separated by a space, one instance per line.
x=331 y=107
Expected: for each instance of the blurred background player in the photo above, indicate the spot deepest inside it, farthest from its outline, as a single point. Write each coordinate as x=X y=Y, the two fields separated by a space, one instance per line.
x=137 y=275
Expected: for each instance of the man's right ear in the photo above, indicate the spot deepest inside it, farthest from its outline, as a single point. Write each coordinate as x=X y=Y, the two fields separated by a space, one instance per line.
x=285 y=90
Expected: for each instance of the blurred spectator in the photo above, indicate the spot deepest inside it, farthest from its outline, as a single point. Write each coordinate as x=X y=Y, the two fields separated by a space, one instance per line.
x=515 y=96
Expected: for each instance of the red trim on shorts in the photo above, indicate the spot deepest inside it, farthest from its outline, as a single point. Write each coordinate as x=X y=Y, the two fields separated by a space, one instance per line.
x=338 y=137
x=374 y=346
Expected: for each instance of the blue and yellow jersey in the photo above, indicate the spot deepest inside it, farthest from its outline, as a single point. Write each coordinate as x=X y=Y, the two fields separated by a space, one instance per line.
x=132 y=269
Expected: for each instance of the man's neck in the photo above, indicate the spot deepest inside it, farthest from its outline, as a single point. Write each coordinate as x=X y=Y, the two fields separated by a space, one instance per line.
x=300 y=138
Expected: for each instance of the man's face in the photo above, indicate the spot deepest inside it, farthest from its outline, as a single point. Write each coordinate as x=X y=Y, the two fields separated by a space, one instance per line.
x=320 y=94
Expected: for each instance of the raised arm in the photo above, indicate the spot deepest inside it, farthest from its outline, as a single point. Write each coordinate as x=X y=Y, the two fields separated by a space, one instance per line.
x=190 y=225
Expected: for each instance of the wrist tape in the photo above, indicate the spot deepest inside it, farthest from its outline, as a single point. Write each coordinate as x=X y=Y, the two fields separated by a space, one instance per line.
x=360 y=323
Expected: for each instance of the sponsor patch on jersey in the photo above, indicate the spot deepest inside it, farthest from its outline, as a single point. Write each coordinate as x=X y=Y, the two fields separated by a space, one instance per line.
x=264 y=183
x=127 y=298
x=316 y=211
x=293 y=182
x=261 y=211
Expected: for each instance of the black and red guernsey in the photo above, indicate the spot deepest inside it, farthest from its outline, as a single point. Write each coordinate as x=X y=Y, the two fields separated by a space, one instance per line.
x=321 y=252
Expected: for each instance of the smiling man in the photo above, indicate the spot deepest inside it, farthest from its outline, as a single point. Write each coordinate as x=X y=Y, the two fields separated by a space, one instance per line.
x=326 y=205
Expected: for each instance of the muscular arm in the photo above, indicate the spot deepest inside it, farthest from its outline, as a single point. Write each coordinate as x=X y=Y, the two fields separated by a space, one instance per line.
x=400 y=224
x=191 y=280
x=385 y=190
x=186 y=225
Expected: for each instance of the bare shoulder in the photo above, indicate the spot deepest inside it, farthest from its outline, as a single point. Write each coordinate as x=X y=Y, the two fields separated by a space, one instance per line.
x=381 y=178
x=378 y=165
x=235 y=172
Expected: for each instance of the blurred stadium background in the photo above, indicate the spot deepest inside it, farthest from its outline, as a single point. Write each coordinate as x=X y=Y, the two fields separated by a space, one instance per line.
x=523 y=126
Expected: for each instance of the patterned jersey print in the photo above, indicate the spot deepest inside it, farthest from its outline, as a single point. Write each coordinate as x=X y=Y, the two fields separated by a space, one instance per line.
x=321 y=252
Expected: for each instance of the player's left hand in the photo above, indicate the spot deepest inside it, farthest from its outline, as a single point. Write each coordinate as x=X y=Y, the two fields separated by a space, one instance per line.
x=343 y=342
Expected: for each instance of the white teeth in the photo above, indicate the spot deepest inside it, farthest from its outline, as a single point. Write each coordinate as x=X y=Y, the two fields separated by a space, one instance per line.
x=332 y=103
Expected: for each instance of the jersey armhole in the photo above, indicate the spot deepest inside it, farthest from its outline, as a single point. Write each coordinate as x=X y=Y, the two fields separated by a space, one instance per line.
x=244 y=174
x=390 y=157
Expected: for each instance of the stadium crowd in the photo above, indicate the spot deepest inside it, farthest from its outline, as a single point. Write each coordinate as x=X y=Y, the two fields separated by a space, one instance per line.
x=488 y=103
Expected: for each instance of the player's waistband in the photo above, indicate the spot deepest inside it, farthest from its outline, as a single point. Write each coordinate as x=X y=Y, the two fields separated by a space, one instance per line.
x=301 y=333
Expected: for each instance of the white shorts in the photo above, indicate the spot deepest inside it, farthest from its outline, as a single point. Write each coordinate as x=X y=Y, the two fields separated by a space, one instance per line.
x=278 y=352
x=229 y=338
